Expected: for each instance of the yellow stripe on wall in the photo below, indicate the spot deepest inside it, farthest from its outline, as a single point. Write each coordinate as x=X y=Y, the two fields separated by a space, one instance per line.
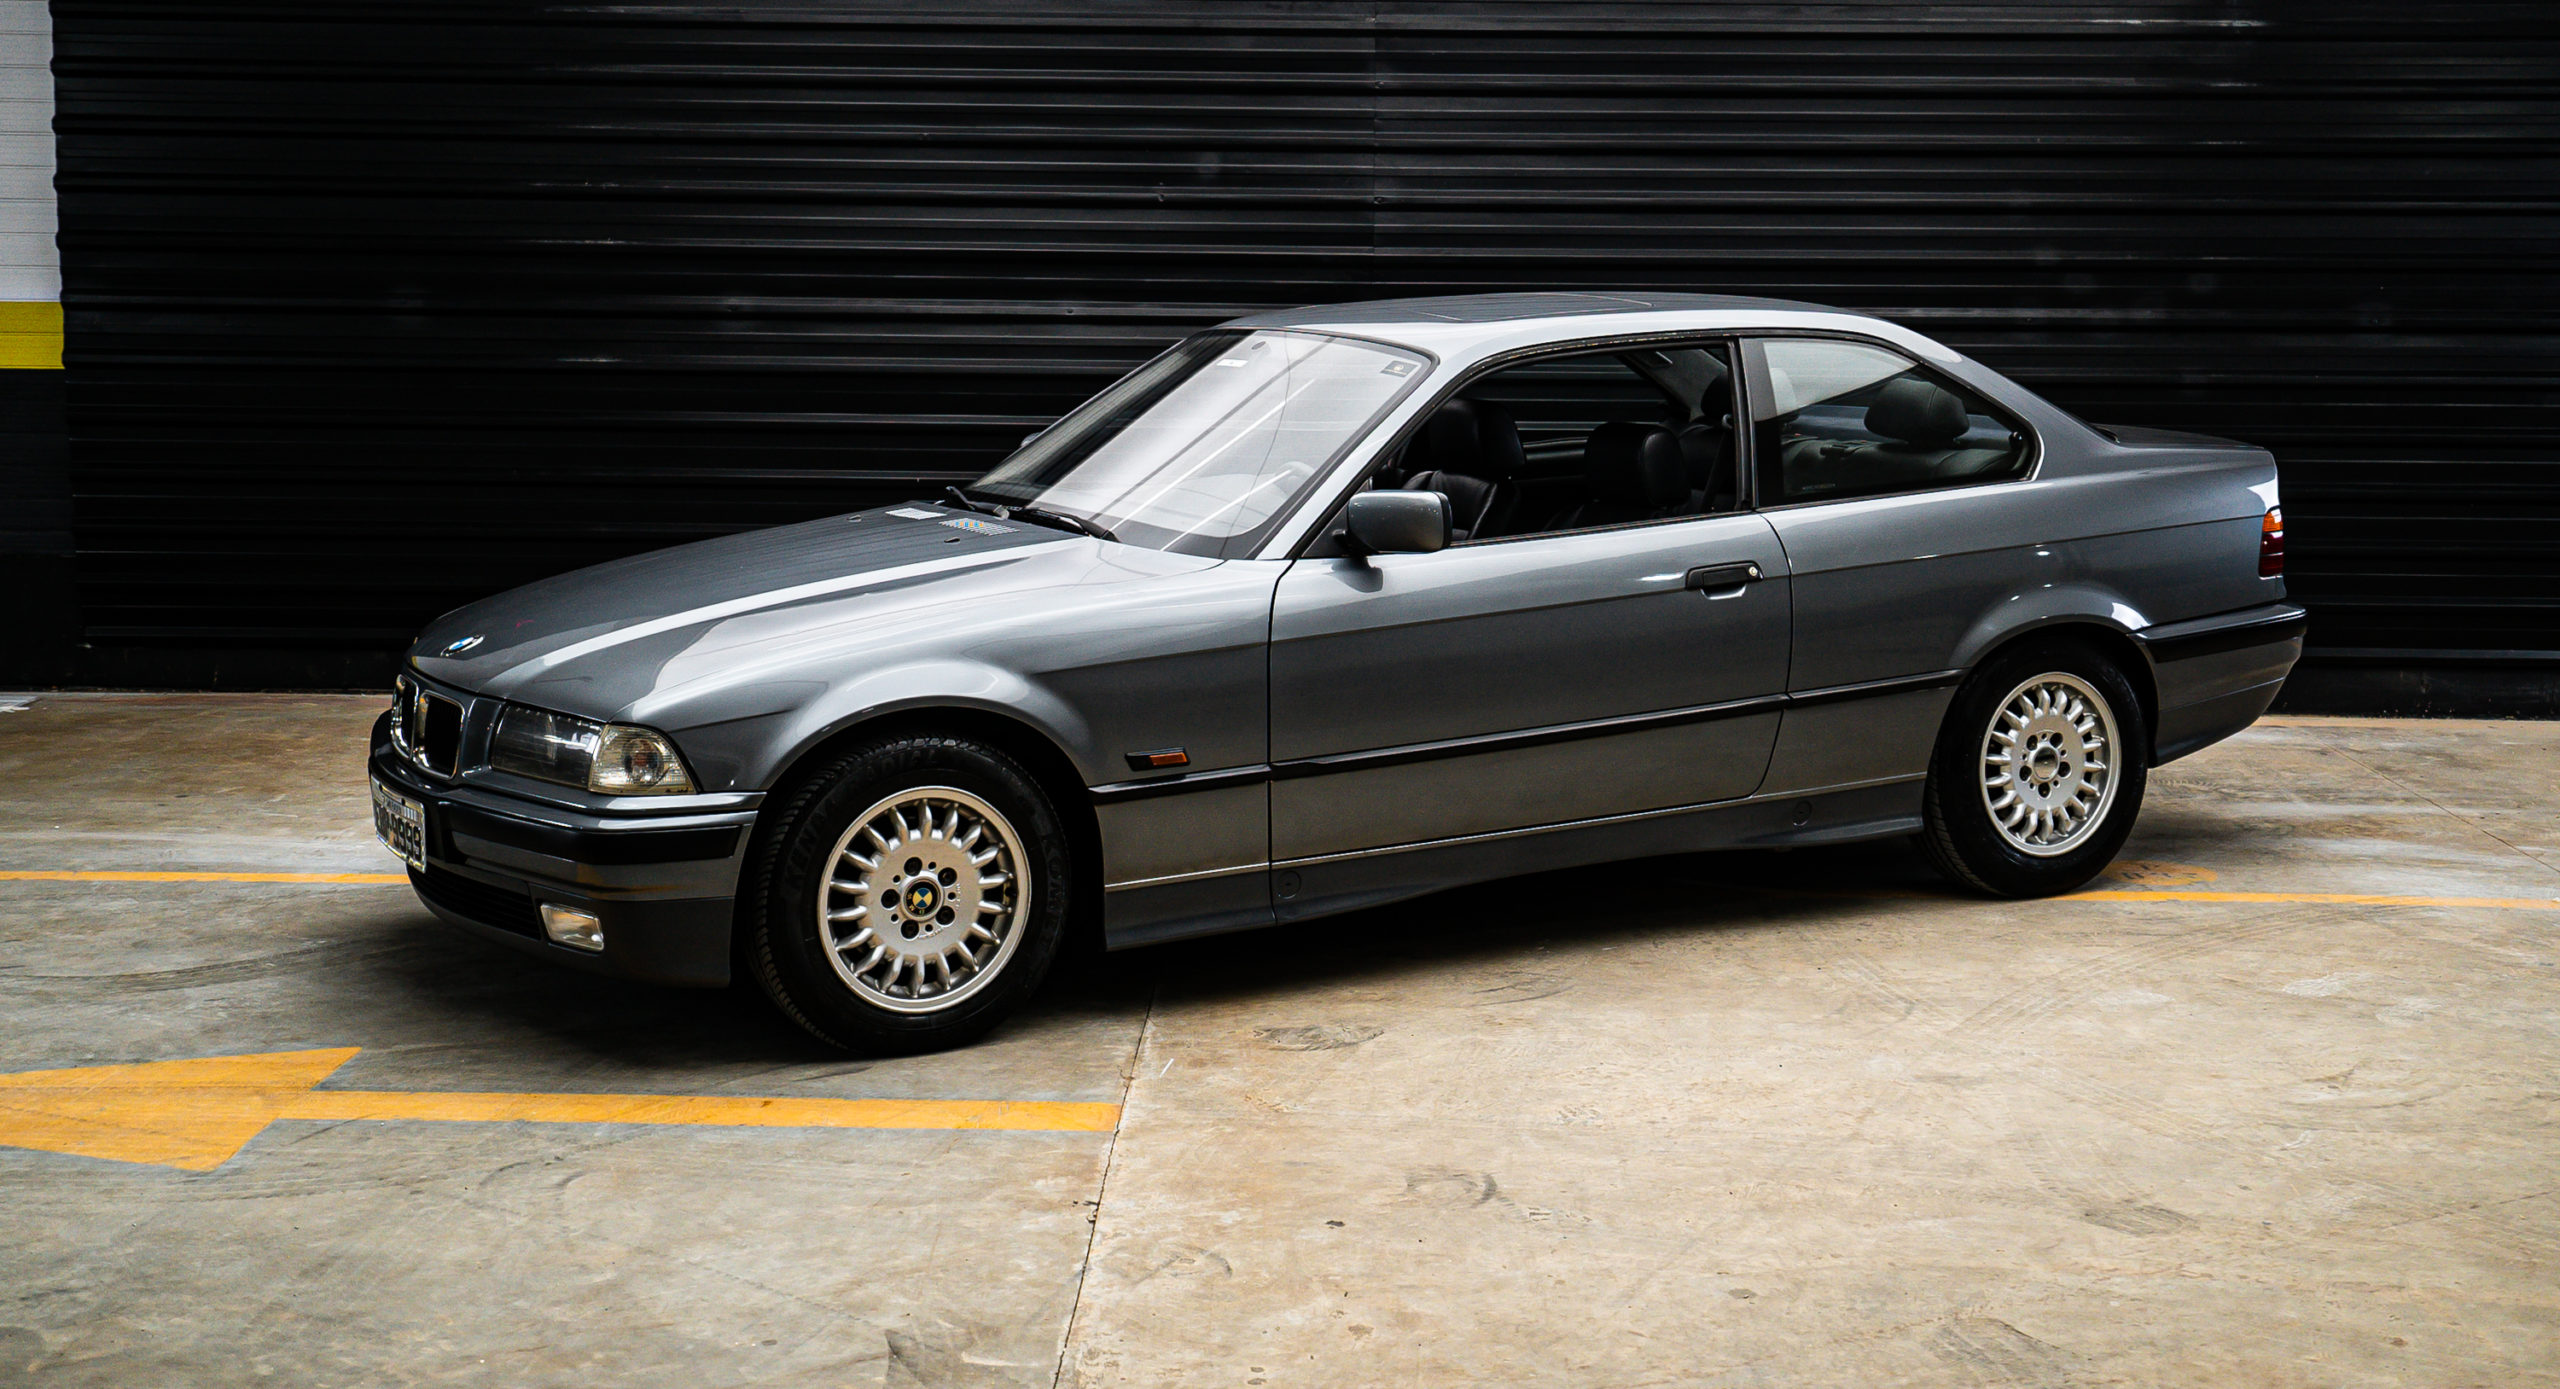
x=31 y=335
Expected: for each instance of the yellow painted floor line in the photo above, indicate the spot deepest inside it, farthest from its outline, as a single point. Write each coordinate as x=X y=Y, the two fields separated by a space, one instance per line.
x=2347 y=899
x=66 y=875
x=197 y=1114
x=2343 y=899
x=726 y=1111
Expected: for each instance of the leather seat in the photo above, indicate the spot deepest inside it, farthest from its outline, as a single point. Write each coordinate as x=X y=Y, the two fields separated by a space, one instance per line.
x=1917 y=412
x=1918 y=423
x=1636 y=472
x=1916 y=427
x=1469 y=451
x=1715 y=482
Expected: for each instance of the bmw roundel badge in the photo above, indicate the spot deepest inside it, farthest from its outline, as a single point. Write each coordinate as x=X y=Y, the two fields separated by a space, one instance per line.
x=457 y=648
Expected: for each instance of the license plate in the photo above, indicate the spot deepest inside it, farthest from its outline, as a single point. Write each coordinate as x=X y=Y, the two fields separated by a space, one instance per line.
x=401 y=824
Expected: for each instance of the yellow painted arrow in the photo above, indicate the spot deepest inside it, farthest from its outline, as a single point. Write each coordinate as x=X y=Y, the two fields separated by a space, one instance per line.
x=195 y=1114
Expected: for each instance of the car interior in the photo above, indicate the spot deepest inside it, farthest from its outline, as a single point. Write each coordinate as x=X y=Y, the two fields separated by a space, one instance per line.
x=1607 y=439
x=1900 y=433
x=1576 y=442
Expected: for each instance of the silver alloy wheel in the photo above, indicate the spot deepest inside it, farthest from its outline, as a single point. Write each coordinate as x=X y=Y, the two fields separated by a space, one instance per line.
x=924 y=899
x=2048 y=774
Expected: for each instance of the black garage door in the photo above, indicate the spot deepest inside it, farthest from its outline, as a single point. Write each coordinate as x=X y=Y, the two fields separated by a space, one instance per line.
x=375 y=309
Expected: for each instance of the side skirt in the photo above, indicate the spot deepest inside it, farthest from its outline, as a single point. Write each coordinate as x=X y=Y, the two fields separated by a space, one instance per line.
x=1308 y=888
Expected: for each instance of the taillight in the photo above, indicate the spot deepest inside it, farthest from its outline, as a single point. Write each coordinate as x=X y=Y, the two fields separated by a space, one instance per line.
x=2271 y=544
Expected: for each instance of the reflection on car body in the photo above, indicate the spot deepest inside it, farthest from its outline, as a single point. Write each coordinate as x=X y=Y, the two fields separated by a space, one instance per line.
x=1324 y=608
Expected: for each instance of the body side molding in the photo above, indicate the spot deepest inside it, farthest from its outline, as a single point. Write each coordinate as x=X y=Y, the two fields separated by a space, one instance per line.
x=1365 y=759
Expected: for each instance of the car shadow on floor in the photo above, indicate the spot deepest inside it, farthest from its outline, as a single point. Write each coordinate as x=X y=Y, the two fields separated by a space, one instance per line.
x=476 y=990
x=1514 y=918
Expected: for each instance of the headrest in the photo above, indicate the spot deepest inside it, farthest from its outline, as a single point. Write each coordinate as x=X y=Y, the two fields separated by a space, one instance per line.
x=1637 y=464
x=1472 y=438
x=1916 y=412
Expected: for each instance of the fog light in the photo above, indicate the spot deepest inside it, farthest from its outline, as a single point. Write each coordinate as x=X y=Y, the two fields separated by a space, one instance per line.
x=571 y=927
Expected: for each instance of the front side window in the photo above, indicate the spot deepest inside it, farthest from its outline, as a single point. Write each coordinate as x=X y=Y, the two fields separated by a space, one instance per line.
x=1849 y=420
x=1204 y=449
x=1605 y=438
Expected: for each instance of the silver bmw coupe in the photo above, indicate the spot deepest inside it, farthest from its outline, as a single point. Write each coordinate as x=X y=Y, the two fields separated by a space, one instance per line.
x=1326 y=608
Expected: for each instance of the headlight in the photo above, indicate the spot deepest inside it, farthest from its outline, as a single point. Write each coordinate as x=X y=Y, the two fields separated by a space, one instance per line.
x=614 y=758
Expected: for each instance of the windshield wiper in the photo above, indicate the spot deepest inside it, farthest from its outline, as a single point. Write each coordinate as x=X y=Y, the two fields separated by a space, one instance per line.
x=970 y=503
x=1063 y=521
x=1040 y=514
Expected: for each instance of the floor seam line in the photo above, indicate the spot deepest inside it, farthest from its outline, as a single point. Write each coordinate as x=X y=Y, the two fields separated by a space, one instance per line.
x=2458 y=817
x=1102 y=1189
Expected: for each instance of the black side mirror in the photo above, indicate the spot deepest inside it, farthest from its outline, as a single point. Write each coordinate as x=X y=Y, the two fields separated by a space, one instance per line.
x=1388 y=523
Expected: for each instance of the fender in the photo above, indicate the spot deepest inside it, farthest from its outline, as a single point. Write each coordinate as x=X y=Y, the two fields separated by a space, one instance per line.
x=754 y=749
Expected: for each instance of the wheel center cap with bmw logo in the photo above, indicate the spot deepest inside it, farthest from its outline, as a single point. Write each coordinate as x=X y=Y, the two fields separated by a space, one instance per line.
x=924 y=897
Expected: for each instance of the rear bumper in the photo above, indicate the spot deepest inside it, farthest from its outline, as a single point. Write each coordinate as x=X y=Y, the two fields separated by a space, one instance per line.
x=2216 y=675
x=663 y=886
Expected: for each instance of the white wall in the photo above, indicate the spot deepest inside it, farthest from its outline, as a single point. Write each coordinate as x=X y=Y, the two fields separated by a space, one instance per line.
x=30 y=267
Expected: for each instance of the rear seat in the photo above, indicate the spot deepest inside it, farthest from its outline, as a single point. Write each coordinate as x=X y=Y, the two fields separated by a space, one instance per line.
x=1918 y=425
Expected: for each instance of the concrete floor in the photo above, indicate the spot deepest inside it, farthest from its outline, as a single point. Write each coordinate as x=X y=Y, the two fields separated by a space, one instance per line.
x=1799 y=1119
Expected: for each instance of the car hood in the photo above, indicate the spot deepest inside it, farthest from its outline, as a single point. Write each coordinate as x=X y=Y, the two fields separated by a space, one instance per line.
x=598 y=641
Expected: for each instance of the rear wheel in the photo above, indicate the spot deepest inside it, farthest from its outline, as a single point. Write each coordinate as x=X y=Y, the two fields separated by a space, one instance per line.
x=2038 y=772
x=910 y=895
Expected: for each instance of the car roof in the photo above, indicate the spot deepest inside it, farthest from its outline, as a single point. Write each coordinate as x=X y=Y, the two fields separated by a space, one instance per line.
x=1463 y=326
x=1507 y=308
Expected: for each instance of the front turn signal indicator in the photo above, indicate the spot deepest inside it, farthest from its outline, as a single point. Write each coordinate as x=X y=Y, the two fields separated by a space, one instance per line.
x=2271 y=544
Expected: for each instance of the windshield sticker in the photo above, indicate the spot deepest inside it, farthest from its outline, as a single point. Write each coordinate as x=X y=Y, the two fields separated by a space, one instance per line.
x=915 y=513
x=1398 y=368
x=975 y=526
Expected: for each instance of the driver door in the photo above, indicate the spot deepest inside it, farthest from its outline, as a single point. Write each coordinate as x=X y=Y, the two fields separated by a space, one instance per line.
x=1490 y=688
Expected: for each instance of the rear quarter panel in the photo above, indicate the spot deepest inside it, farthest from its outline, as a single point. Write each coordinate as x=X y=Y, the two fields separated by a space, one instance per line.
x=1932 y=582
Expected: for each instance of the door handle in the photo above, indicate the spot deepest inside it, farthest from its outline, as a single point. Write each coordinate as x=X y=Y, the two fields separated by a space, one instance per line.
x=1715 y=578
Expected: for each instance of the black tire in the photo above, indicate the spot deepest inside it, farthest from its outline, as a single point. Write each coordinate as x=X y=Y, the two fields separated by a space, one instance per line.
x=796 y=860
x=1960 y=831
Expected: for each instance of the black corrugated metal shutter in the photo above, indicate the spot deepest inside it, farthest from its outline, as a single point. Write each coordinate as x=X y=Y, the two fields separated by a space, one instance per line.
x=375 y=310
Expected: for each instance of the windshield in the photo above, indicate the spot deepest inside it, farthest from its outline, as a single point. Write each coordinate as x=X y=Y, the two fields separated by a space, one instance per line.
x=1205 y=448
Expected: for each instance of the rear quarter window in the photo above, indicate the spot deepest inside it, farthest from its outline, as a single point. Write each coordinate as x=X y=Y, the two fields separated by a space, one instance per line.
x=1847 y=419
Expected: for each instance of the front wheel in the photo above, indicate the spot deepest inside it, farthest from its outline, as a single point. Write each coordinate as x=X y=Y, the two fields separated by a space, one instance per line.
x=910 y=895
x=2038 y=773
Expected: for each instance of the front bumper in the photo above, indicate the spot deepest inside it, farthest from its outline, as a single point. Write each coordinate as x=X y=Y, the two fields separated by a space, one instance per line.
x=663 y=885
